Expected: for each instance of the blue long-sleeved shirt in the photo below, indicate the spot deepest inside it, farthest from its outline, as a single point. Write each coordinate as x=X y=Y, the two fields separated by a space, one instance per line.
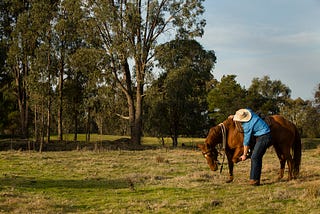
x=255 y=126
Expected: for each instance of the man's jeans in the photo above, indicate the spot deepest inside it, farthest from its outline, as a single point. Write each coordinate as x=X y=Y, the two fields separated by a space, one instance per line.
x=262 y=143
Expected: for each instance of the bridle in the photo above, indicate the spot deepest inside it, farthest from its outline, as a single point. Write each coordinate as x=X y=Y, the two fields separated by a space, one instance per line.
x=207 y=153
x=214 y=152
x=224 y=143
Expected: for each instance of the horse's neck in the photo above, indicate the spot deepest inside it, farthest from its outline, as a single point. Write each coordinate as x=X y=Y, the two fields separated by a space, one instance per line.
x=233 y=125
x=234 y=133
x=216 y=136
x=228 y=123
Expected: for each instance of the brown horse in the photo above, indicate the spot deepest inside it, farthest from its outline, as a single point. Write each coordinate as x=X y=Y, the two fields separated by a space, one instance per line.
x=285 y=139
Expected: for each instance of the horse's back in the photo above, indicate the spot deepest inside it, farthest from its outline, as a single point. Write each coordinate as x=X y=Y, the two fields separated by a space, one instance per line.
x=282 y=130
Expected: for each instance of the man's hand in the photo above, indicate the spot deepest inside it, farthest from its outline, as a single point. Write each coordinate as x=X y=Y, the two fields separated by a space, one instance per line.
x=245 y=153
x=243 y=157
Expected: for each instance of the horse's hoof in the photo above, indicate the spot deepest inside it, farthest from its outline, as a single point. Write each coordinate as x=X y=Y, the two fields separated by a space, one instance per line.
x=229 y=180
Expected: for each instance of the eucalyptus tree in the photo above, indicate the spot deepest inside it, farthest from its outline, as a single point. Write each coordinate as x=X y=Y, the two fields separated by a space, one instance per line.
x=316 y=114
x=317 y=97
x=129 y=32
x=177 y=100
x=9 y=116
x=87 y=65
x=304 y=115
x=67 y=40
x=266 y=95
x=43 y=69
x=225 y=98
x=22 y=42
x=27 y=27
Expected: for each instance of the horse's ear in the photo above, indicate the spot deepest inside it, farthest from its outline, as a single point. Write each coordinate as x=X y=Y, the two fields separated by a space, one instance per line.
x=231 y=116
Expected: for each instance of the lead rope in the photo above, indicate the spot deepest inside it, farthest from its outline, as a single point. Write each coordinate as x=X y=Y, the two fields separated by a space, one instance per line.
x=224 y=143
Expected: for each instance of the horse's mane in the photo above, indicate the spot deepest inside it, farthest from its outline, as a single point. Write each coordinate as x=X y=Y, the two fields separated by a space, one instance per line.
x=214 y=136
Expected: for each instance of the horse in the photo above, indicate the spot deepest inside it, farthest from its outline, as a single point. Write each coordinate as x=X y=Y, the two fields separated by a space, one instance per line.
x=285 y=139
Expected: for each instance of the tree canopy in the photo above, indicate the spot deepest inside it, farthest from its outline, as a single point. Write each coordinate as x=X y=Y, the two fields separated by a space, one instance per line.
x=128 y=32
x=177 y=99
x=225 y=98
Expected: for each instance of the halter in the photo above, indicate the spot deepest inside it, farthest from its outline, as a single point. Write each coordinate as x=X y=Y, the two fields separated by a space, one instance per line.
x=224 y=142
x=206 y=153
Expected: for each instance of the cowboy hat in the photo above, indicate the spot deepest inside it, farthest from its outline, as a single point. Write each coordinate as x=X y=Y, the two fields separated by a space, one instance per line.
x=242 y=115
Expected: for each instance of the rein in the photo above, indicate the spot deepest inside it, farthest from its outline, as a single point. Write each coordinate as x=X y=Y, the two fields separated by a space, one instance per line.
x=224 y=143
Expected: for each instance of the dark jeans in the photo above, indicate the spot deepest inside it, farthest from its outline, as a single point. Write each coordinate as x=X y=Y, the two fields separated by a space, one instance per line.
x=262 y=143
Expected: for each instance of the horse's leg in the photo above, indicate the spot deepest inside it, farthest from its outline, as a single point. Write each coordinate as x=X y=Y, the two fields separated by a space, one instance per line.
x=290 y=167
x=230 y=179
x=233 y=157
x=282 y=166
x=282 y=160
x=230 y=154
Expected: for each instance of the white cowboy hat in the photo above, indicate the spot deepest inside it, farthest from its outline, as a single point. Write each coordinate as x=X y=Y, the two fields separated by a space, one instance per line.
x=242 y=115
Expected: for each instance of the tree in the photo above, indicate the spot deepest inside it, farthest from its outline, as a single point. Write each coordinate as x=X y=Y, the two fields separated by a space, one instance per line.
x=9 y=114
x=317 y=98
x=87 y=65
x=129 y=31
x=22 y=45
x=43 y=69
x=225 y=98
x=266 y=96
x=177 y=100
x=304 y=115
x=295 y=111
x=24 y=25
x=67 y=40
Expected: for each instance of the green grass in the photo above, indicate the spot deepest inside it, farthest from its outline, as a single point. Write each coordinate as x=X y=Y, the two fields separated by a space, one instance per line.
x=149 y=181
x=93 y=137
x=145 y=140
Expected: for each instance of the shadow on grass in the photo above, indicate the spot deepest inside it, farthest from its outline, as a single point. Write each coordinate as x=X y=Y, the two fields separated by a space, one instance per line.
x=119 y=144
x=310 y=143
x=97 y=183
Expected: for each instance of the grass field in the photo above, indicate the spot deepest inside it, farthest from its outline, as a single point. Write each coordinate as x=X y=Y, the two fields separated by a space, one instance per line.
x=158 y=180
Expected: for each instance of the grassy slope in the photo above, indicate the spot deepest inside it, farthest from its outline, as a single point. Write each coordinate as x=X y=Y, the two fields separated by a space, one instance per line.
x=150 y=181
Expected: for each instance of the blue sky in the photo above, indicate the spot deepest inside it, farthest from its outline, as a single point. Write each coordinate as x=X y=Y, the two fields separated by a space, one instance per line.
x=254 y=38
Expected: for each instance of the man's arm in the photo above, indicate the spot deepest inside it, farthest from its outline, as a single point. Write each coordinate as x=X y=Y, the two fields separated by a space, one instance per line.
x=245 y=153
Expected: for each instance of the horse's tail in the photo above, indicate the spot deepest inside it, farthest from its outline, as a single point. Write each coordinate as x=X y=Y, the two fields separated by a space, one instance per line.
x=296 y=147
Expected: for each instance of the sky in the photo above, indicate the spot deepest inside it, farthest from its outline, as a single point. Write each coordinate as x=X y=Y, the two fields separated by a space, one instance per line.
x=255 y=38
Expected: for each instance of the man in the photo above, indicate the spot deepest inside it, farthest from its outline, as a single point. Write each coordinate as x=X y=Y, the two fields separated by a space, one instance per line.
x=253 y=125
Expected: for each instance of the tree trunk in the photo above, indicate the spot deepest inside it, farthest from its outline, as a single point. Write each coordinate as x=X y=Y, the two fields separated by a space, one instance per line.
x=22 y=99
x=138 y=116
x=135 y=121
x=174 y=141
x=48 y=119
x=75 y=138
x=175 y=132
x=60 y=129
x=135 y=118
x=35 y=123
x=136 y=132
x=42 y=126
x=88 y=126
x=49 y=102
x=133 y=135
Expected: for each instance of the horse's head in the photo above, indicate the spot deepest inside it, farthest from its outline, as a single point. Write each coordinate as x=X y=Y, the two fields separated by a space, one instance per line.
x=211 y=155
x=209 y=150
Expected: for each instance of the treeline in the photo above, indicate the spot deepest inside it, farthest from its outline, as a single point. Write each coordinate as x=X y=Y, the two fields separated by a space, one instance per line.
x=82 y=66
